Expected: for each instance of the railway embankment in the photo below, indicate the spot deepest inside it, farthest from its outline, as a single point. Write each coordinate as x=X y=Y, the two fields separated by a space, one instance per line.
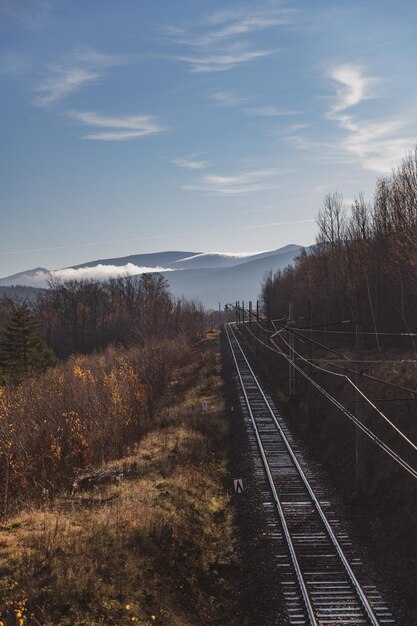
x=149 y=538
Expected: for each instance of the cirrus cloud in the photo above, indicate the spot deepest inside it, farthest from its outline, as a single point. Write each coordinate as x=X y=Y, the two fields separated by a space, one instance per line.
x=73 y=72
x=237 y=183
x=123 y=127
x=191 y=163
x=220 y=42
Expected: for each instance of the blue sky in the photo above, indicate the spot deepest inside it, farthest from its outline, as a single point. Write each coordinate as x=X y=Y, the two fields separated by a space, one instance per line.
x=136 y=126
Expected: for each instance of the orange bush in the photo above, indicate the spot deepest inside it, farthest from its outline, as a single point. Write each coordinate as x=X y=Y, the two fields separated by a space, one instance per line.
x=84 y=412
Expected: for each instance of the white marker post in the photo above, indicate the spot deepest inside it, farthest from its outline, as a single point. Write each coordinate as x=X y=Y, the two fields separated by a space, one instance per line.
x=238 y=484
x=204 y=406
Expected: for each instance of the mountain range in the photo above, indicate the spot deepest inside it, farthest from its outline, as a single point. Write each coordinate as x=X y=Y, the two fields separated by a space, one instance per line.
x=210 y=277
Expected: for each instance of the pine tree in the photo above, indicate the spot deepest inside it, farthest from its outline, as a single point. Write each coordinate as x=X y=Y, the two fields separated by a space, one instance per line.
x=23 y=350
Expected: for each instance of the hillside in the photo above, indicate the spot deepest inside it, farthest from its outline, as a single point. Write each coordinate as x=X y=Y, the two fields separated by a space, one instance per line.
x=209 y=277
x=19 y=292
x=239 y=282
x=145 y=539
x=152 y=259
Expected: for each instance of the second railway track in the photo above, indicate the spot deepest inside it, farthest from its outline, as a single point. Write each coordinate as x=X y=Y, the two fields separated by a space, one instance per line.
x=324 y=581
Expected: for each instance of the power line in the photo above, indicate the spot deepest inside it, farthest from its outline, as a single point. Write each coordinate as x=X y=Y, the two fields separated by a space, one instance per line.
x=352 y=332
x=345 y=358
x=373 y=361
x=350 y=381
x=379 y=380
x=344 y=410
x=366 y=399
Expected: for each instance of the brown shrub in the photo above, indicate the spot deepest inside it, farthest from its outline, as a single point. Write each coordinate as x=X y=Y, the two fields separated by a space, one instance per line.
x=89 y=410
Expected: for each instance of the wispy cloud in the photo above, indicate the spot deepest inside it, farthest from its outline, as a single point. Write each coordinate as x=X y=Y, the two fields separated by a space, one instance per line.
x=232 y=24
x=73 y=72
x=271 y=111
x=122 y=128
x=237 y=183
x=377 y=144
x=62 y=82
x=191 y=163
x=30 y=13
x=234 y=99
x=221 y=42
x=227 y=98
x=287 y=131
x=223 y=60
x=354 y=87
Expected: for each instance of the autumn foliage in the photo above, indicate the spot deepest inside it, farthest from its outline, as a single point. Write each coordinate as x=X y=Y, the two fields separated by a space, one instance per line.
x=84 y=412
x=90 y=408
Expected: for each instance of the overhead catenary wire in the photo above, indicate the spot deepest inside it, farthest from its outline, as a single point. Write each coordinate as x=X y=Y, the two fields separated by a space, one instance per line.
x=372 y=361
x=350 y=381
x=346 y=358
x=323 y=328
x=370 y=434
x=343 y=356
x=366 y=399
x=379 y=380
x=362 y=373
x=352 y=332
x=344 y=376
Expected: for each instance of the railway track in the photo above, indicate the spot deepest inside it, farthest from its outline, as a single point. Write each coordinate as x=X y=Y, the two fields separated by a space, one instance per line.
x=324 y=581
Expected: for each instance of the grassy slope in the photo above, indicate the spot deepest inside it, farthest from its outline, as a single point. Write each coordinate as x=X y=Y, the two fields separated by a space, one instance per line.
x=161 y=552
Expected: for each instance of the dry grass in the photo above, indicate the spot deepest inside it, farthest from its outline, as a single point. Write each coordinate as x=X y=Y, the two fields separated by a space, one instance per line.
x=82 y=413
x=151 y=554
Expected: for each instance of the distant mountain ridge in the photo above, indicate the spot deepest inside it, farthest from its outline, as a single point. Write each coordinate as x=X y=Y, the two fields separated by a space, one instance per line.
x=150 y=259
x=210 y=277
x=27 y=275
x=242 y=281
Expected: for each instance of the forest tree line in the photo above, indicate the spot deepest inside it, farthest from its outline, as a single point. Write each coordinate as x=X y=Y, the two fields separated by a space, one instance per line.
x=79 y=317
x=82 y=369
x=363 y=266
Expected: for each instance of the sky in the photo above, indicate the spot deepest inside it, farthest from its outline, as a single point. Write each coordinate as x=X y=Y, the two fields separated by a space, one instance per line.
x=199 y=125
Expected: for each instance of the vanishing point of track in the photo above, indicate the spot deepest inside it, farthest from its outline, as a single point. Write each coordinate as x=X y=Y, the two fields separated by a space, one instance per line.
x=324 y=582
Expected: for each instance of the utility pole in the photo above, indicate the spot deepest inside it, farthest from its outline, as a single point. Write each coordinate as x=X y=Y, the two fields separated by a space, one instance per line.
x=250 y=312
x=310 y=357
x=291 y=369
x=257 y=346
x=220 y=315
x=359 y=438
x=243 y=312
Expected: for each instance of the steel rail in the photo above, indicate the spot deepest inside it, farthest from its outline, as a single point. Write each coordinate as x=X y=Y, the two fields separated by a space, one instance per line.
x=300 y=578
x=359 y=591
